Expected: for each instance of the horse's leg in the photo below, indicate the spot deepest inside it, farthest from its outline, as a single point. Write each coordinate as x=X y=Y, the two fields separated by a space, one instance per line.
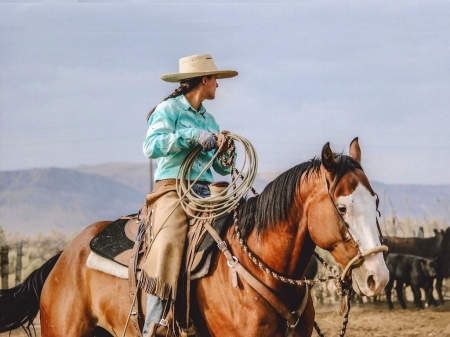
x=112 y=303
x=399 y=290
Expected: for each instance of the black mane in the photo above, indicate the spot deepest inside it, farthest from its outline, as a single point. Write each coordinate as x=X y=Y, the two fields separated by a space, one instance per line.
x=274 y=203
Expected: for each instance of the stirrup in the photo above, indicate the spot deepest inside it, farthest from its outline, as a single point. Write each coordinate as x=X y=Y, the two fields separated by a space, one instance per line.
x=191 y=331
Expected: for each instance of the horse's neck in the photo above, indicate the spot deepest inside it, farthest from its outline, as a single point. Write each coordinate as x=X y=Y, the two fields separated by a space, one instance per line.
x=286 y=247
x=282 y=249
x=290 y=246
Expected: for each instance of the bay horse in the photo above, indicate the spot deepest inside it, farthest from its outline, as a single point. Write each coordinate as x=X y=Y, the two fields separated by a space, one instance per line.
x=326 y=202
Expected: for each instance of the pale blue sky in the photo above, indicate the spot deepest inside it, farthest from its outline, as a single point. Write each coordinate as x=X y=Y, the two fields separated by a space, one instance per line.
x=78 y=78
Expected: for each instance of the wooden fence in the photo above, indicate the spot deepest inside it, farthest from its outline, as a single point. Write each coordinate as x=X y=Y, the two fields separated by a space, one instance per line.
x=4 y=258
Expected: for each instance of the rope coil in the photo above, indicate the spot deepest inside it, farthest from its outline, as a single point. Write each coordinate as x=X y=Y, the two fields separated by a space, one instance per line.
x=227 y=200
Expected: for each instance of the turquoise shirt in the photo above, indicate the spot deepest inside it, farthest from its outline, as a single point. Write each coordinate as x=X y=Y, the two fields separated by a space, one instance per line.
x=173 y=131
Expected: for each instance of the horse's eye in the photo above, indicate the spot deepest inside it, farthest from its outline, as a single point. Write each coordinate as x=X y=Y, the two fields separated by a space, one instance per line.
x=342 y=209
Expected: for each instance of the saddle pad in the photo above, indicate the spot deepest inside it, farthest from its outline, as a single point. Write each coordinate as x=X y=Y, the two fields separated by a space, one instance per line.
x=204 y=251
x=111 y=249
x=112 y=241
x=218 y=225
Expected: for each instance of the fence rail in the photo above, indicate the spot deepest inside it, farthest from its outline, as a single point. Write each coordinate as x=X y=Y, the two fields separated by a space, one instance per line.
x=4 y=261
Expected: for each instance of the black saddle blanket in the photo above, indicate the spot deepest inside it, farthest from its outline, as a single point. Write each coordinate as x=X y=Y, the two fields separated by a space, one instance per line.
x=112 y=241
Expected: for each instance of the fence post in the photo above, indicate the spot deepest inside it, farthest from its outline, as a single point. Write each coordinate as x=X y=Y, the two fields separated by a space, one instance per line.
x=19 y=263
x=4 y=266
x=420 y=232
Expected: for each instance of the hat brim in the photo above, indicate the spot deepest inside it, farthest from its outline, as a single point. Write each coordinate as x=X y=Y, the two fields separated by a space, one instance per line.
x=177 y=77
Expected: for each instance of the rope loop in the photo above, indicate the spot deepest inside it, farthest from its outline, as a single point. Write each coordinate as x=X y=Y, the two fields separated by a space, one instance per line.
x=227 y=200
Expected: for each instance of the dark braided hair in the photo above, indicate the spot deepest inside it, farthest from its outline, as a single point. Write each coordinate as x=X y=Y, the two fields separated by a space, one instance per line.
x=185 y=86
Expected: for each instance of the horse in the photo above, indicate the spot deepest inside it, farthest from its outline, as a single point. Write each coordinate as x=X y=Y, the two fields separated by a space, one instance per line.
x=435 y=247
x=326 y=202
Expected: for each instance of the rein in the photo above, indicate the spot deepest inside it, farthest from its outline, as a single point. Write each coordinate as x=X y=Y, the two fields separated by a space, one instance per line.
x=222 y=204
x=227 y=201
x=292 y=318
x=343 y=281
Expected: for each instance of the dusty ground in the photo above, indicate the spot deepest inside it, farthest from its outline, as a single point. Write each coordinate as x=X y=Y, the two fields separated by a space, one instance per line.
x=371 y=320
x=376 y=320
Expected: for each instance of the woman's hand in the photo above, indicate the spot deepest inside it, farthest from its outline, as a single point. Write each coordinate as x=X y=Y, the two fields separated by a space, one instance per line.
x=222 y=139
x=207 y=140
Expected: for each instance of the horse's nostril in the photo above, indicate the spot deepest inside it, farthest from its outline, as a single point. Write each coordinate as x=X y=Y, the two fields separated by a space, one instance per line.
x=371 y=283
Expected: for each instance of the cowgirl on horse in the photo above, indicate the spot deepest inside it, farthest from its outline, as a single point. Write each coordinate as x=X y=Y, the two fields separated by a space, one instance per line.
x=255 y=285
x=175 y=126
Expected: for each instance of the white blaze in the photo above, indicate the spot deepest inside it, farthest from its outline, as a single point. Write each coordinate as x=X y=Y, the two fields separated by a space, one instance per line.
x=361 y=217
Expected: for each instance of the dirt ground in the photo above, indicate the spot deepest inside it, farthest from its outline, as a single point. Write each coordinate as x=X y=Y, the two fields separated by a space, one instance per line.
x=376 y=320
x=371 y=320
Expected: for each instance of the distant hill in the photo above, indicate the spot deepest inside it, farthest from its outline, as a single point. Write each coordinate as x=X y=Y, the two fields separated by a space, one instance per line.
x=35 y=201
x=135 y=175
x=428 y=202
x=38 y=200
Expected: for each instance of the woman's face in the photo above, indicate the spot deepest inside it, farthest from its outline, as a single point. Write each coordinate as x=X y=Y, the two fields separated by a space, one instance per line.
x=210 y=85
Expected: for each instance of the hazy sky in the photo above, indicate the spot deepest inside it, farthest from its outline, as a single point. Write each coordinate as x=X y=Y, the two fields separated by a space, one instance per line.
x=77 y=79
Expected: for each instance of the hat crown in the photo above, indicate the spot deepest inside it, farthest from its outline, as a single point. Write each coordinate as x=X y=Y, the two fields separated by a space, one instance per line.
x=196 y=66
x=197 y=63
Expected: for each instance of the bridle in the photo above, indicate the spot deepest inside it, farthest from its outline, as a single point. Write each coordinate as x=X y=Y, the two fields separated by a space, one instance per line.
x=361 y=255
x=343 y=282
x=292 y=318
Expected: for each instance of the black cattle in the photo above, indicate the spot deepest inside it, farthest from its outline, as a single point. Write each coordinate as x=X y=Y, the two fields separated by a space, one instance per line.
x=414 y=271
x=437 y=247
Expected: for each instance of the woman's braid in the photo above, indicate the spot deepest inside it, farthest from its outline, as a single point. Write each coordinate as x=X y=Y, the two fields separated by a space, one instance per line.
x=184 y=88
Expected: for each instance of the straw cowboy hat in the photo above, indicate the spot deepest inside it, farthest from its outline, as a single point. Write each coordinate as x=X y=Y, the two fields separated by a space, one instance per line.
x=195 y=66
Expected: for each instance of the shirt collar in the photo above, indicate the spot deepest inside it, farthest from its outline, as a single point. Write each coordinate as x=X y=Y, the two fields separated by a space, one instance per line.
x=186 y=106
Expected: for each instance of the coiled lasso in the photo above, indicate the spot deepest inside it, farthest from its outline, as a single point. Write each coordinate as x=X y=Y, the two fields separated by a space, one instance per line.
x=227 y=200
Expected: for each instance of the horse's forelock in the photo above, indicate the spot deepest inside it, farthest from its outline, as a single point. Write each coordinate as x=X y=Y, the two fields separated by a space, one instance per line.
x=345 y=164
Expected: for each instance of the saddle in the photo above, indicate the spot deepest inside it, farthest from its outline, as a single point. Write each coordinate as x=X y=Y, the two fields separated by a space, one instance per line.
x=112 y=248
x=120 y=248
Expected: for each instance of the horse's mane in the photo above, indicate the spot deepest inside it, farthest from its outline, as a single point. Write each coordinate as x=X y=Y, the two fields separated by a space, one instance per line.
x=274 y=203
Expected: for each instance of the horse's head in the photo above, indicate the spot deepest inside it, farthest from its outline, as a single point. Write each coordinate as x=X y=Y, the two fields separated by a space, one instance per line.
x=344 y=221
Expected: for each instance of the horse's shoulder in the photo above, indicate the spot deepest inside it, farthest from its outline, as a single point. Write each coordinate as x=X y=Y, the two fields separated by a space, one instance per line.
x=98 y=226
x=81 y=241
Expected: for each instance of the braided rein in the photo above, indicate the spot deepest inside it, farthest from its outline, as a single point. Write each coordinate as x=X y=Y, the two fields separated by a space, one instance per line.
x=343 y=283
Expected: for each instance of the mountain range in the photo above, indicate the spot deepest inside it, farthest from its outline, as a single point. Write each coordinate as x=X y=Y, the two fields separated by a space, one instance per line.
x=69 y=199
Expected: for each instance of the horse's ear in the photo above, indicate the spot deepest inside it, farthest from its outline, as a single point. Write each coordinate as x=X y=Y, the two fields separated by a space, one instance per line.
x=355 y=150
x=328 y=159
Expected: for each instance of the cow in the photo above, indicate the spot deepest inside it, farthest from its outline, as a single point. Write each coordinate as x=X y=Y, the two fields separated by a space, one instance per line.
x=414 y=271
x=436 y=247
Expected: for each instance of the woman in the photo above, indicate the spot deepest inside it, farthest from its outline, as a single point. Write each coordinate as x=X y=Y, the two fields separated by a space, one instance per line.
x=178 y=124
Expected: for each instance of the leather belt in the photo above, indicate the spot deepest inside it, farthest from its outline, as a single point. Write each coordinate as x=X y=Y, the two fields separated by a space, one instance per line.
x=165 y=182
